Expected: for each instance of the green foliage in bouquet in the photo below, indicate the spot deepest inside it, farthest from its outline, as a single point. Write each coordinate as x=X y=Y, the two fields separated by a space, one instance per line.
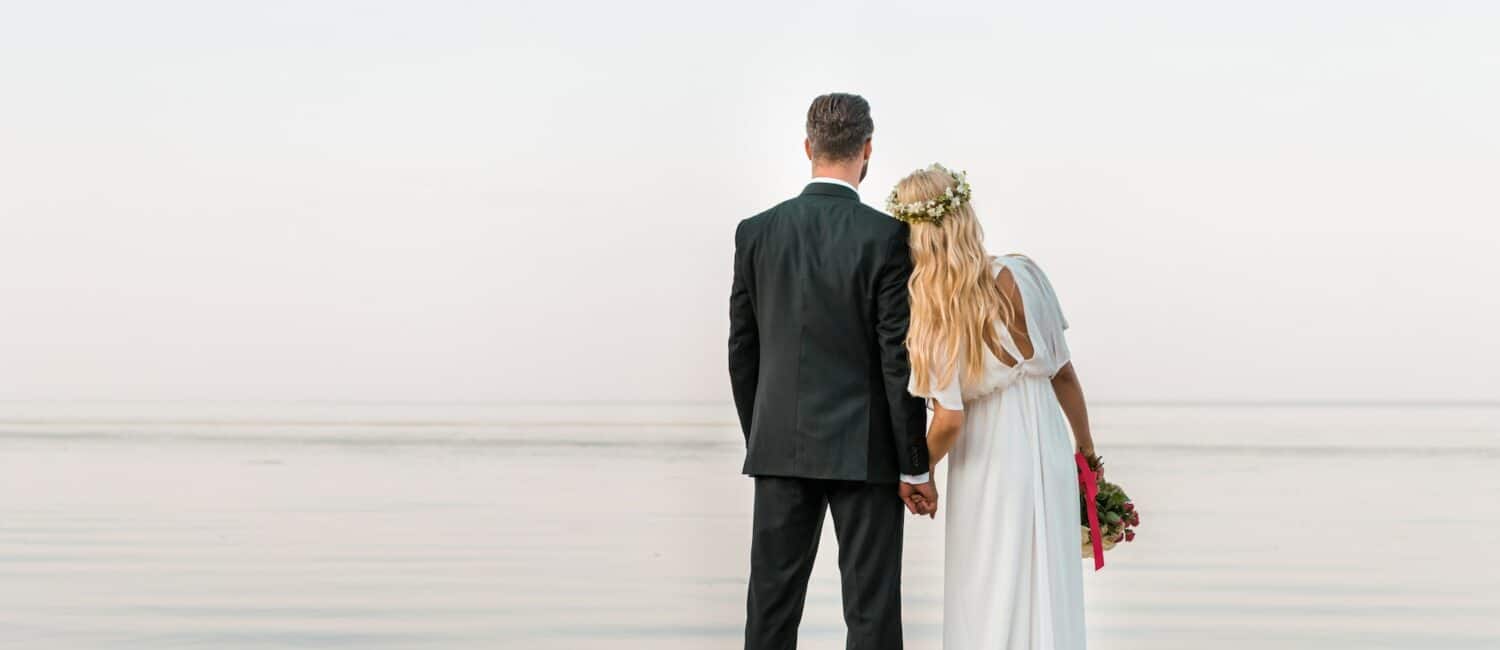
x=1117 y=514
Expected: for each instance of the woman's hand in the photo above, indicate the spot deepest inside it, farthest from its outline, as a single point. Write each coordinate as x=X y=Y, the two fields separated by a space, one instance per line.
x=920 y=499
x=1095 y=463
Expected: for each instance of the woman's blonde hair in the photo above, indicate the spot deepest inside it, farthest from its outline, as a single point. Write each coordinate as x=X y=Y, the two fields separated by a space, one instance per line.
x=955 y=300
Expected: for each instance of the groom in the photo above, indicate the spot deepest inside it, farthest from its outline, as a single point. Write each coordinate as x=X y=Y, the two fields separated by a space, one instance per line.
x=817 y=357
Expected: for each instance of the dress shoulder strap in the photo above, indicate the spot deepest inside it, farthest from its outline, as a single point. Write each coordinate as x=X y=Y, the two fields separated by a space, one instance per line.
x=1044 y=317
x=1036 y=288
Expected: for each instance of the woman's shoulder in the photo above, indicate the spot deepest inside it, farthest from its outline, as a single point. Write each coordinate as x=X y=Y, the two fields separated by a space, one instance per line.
x=1018 y=264
x=1031 y=283
x=1020 y=275
x=1015 y=264
x=1015 y=259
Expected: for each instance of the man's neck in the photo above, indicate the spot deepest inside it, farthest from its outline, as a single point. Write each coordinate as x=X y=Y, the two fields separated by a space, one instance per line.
x=844 y=173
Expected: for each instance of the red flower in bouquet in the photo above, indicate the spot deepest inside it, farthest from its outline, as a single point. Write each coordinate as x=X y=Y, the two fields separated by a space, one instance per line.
x=1117 y=514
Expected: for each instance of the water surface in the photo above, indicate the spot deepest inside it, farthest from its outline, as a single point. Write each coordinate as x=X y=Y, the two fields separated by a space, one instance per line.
x=578 y=526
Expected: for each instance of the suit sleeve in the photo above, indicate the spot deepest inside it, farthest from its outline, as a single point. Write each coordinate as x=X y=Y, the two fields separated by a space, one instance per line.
x=892 y=316
x=744 y=336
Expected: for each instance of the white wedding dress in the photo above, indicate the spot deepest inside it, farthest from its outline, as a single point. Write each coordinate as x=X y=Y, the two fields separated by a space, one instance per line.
x=1013 y=573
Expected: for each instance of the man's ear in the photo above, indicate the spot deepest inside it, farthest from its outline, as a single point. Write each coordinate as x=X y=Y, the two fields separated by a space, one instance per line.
x=807 y=146
x=868 y=148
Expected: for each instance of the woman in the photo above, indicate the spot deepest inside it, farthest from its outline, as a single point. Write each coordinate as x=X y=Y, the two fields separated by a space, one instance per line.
x=987 y=350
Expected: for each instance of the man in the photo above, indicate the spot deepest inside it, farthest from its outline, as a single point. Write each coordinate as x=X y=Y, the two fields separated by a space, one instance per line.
x=817 y=359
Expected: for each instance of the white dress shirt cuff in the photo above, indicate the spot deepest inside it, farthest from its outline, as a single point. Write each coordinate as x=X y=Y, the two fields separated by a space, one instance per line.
x=917 y=479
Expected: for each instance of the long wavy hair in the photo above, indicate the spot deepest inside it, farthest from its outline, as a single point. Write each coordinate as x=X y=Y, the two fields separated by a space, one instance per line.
x=955 y=301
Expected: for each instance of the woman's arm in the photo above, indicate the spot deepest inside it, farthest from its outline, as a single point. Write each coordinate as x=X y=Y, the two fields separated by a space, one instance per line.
x=942 y=432
x=1070 y=397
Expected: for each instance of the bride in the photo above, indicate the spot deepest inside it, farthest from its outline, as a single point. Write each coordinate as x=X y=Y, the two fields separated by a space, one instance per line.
x=987 y=351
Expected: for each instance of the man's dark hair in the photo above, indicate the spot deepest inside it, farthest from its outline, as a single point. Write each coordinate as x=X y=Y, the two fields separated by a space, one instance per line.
x=838 y=124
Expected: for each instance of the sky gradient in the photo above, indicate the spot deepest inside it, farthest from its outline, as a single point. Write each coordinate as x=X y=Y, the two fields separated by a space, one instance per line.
x=479 y=201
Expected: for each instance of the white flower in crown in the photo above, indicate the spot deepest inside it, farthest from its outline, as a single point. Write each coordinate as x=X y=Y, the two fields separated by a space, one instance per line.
x=932 y=210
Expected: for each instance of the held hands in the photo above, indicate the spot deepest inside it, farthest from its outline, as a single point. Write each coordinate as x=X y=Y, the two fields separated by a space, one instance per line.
x=920 y=499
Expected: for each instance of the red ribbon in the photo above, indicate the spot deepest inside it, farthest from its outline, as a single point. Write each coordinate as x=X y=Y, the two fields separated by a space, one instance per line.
x=1088 y=481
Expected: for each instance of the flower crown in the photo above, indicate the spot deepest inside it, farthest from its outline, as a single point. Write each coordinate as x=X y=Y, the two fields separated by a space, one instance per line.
x=932 y=210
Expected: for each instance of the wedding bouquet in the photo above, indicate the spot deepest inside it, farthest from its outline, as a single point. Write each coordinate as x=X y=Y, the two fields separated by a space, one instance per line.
x=1115 y=514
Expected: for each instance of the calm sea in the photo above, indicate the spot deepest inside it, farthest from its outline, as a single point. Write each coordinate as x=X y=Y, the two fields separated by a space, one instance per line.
x=580 y=526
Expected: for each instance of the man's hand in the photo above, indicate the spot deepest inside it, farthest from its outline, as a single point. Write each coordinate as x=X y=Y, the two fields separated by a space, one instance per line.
x=920 y=499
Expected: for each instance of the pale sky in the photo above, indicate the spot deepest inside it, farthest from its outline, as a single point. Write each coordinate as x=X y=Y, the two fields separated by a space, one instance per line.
x=535 y=201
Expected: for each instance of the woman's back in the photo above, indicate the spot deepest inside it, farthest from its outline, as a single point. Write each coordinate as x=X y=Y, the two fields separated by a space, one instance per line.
x=1032 y=344
x=987 y=350
x=1013 y=577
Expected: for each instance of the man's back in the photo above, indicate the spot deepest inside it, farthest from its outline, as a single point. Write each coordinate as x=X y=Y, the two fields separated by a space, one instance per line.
x=817 y=356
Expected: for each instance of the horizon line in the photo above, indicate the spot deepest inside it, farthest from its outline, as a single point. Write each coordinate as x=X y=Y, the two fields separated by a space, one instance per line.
x=1166 y=403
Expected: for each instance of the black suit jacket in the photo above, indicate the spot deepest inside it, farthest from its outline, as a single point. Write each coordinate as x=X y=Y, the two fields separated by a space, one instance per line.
x=818 y=316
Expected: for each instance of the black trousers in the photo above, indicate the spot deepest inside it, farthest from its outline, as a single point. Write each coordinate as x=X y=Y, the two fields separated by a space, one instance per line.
x=868 y=520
